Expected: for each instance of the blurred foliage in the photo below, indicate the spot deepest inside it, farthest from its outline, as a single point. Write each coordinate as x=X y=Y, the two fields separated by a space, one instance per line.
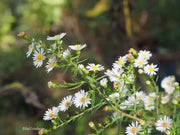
x=100 y=24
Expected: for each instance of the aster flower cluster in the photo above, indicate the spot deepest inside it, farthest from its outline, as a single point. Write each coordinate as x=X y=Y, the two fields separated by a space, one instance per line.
x=113 y=90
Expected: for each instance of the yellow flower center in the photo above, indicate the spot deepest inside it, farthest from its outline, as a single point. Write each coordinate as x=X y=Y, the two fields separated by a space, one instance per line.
x=134 y=130
x=140 y=62
x=39 y=57
x=120 y=62
x=52 y=64
x=116 y=76
x=165 y=124
x=150 y=99
x=151 y=69
x=83 y=99
x=30 y=47
x=78 y=47
x=168 y=83
x=139 y=97
x=165 y=99
x=94 y=67
x=51 y=115
x=67 y=104
x=144 y=55
x=177 y=98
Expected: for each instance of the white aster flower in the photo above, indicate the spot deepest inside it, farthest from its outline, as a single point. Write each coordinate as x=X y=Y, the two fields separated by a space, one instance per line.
x=167 y=82
x=125 y=104
x=123 y=91
x=133 y=128
x=52 y=48
x=38 y=57
x=149 y=107
x=66 y=53
x=150 y=69
x=144 y=54
x=30 y=48
x=149 y=100
x=81 y=99
x=164 y=124
x=165 y=99
x=116 y=114
x=66 y=103
x=56 y=37
x=132 y=100
x=121 y=61
x=51 y=113
x=103 y=82
x=114 y=95
x=81 y=66
x=140 y=62
x=140 y=95
x=51 y=63
x=114 y=74
x=93 y=67
x=77 y=47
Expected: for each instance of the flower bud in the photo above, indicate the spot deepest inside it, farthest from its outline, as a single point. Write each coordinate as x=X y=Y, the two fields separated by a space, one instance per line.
x=91 y=125
x=142 y=122
x=23 y=35
x=130 y=57
x=40 y=132
x=86 y=71
x=174 y=101
x=140 y=113
x=148 y=82
x=116 y=85
x=54 y=127
x=105 y=108
x=59 y=55
x=133 y=52
x=140 y=71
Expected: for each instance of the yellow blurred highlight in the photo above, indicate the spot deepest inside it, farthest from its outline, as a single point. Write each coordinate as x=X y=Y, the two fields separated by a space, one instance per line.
x=98 y=9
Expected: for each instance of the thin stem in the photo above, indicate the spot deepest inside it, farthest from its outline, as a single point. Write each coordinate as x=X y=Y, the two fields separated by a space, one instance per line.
x=157 y=98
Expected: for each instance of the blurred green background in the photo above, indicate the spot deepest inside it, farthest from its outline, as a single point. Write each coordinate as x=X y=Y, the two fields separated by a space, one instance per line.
x=102 y=24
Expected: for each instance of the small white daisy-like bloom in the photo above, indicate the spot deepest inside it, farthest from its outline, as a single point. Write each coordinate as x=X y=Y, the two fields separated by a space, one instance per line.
x=56 y=37
x=52 y=48
x=114 y=74
x=125 y=104
x=165 y=99
x=169 y=90
x=177 y=96
x=167 y=82
x=38 y=57
x=132 y=100
x=81 y=99
x=30 y=48
x=66 y=53
x=120 y=62
x=81 y=66
x=123 y=91
x=103 y=82
x=51 y=63
x=133 y=128
x=149 y=107
x=140 y=62
x=144 y=54
x=140 y=95
x=150 y=69
x=93 y=67
x=51 y=113
x=77 y=47
x=114 y=95
x=50 y=84
x=66 y=103
x=164 y=124
x=149 y=100
x=116 y=114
